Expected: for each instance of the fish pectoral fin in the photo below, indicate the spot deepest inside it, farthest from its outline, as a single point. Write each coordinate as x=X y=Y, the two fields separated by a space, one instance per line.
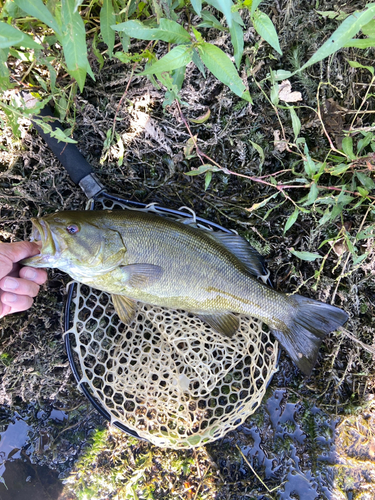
x=124 y=307
x=141 y=275
x=227 y=324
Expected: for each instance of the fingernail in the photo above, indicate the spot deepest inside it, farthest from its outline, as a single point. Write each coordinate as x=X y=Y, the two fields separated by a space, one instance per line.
x=10 y=297
x=10 y=284
x=30 y=274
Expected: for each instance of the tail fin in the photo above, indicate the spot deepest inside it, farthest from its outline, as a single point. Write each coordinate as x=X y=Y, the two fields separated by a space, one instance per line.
x=309 y=323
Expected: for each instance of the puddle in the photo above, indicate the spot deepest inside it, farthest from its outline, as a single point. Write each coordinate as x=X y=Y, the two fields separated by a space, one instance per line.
x=20 y=479
x=300 y=452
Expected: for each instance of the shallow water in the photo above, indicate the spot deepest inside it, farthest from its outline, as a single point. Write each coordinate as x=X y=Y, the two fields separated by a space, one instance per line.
x=20 y=479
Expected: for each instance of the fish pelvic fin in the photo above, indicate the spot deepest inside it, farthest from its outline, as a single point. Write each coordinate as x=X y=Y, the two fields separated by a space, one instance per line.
x=310 y=322
x=124 y=307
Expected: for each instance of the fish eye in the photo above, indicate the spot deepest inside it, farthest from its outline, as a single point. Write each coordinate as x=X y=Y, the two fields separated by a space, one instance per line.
x=72 y=229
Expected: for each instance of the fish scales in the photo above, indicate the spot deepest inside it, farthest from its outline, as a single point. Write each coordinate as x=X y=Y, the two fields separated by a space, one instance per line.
x=189 y=249
x=139 y=256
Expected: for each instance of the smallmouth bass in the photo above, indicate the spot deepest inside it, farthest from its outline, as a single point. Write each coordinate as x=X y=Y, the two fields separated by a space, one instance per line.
x=140 y=256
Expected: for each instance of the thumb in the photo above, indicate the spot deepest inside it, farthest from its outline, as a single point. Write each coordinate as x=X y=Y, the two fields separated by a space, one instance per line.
x=15 y=252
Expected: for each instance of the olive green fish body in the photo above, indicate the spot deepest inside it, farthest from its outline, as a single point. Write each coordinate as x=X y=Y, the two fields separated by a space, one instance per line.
x=141 y=256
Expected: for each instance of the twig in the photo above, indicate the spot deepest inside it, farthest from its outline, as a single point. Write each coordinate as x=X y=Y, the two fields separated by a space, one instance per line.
x=349 y=254
x=367 y=348
x=259 y=479
x=362 y=103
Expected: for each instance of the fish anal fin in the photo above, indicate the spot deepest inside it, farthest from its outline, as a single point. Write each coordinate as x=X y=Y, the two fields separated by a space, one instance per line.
x=124 y=307
x=141 y=275
x=244 y=252
x=227 y=324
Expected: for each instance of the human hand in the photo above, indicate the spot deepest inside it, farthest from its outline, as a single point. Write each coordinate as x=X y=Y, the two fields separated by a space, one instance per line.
x=18 y=285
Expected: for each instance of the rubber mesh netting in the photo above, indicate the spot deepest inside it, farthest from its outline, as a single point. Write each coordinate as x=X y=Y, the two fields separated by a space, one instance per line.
x=168 y=376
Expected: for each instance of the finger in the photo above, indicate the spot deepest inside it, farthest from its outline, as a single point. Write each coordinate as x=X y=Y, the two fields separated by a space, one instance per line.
x=4 y=310
x=16 y=302
x=37 y=275
x=19 y=286
x=15 y=252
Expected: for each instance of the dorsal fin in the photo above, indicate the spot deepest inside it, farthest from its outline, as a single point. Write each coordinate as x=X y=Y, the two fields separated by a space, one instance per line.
x=244 y=252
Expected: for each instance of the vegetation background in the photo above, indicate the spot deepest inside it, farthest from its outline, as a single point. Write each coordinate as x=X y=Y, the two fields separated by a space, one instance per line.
x=259 y=116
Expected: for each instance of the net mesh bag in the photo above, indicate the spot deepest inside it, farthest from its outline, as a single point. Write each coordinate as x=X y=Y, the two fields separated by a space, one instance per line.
x=168 y=376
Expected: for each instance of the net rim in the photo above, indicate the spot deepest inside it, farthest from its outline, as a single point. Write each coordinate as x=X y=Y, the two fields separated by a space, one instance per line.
x=84 y=386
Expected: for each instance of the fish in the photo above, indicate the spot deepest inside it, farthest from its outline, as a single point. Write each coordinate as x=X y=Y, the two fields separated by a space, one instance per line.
x=141 y=256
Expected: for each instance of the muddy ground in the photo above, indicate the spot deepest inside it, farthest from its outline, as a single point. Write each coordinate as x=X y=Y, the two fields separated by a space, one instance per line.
x=312 y=437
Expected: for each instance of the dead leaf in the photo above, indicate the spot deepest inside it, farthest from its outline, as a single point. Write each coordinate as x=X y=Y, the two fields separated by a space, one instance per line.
x=339 y=247
x=286 y=94
x=333 y=118
x=280 y=144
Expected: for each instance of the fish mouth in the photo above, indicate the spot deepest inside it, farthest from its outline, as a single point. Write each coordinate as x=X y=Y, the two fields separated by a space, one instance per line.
x=42 y=235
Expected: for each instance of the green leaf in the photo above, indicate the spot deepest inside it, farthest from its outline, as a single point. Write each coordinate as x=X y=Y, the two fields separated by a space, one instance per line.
x=10 y=36
x=281 y=74
x=359 y=259
x=369 y=29
x=265 y=28
x=333 y=14
x=362 y=143
x=339 y=169
x=4 y=72
x=348 y=28
x=97 y=52
x=261 y=204
x=197 y=35
x=368 y=232
x=274 y=93
x=210 y=21
x=254 y=5
x=343 y=198
x=225 y=7
x=236 y=35
x=36 y=8
x=207 y=179
x=168 y=31
x=201 y=119
x=347 y=147
x=136 y=29
x=198 y=62
x=362 y=191
x=222 y=67
x=310 y=166
x=326 y=217
x=361 y=43
x=74 y=42
x=107 y=19
x=125 y=41
x=308 y=256
x=178 y=76
x=58 y=133
x=367 y=182
x=355 y=64
x=291 y=220
x=296 y=122
x=197 y=6
x=207 y=167
x=259 y=149
x=313 y=194
x=177 y=57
